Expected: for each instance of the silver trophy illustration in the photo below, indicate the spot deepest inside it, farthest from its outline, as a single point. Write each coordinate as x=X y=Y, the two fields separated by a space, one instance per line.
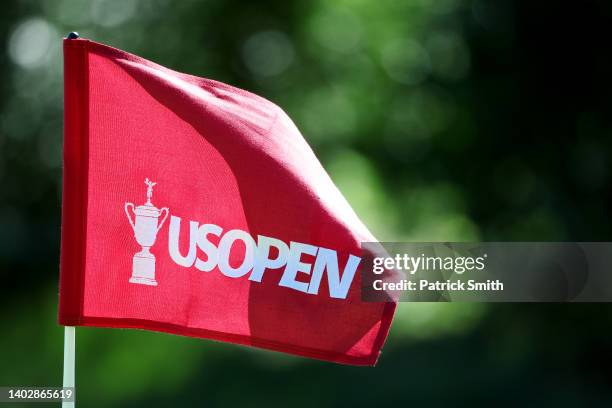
x=145 y=226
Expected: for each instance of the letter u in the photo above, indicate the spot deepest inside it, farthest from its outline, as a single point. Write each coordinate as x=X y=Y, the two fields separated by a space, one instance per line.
x=173 y=242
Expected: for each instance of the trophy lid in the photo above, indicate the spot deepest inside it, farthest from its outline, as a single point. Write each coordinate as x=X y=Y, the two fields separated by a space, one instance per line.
x=147 y=210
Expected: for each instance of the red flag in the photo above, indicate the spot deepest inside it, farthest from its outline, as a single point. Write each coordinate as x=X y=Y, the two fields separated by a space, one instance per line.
x=196 y=208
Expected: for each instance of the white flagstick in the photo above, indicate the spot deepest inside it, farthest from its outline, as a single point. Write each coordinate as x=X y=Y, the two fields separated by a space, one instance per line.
x=68 y=361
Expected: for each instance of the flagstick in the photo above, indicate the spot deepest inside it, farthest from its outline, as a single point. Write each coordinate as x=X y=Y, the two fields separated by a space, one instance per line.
x=69 y=334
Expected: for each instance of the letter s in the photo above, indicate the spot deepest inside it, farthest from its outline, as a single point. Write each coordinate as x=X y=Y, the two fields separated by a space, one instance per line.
x=211 y=251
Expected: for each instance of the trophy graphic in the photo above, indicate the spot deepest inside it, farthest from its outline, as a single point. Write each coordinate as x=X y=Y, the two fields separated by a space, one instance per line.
x=145 y=226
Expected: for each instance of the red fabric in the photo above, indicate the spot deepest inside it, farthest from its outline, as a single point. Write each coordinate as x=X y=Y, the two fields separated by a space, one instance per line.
x=219 y=155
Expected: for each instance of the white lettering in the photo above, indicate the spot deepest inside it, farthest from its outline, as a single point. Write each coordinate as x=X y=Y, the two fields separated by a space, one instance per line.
x=328 y=259
x=173 y=242
x=210 y=250
x=225 y=249
x=262 y=256
x=266 y=253
x=294 y=265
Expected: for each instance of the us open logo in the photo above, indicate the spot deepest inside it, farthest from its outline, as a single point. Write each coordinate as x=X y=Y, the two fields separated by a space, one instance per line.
x=263 y=254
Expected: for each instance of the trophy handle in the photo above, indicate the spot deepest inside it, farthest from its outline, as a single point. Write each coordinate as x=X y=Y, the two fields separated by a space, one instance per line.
x=163 y=219
x=128 y=205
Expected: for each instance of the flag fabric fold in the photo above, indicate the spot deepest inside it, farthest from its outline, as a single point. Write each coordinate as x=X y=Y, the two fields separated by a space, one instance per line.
x=196 y=208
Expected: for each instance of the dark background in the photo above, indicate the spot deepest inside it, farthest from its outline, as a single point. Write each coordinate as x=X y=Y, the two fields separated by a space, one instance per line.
x=440 y=120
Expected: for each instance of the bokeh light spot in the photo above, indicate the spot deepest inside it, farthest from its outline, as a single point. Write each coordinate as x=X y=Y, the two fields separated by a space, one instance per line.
x=108 y=13
x=337 y=30
x=30 y=43
x=268 y=53
x=405 y=61
x=450 y=57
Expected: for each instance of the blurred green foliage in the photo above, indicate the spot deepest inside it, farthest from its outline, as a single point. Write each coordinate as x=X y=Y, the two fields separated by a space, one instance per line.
x=440 y=120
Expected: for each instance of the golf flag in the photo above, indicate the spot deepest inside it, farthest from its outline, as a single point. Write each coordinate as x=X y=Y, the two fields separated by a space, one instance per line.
x=195 y=208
